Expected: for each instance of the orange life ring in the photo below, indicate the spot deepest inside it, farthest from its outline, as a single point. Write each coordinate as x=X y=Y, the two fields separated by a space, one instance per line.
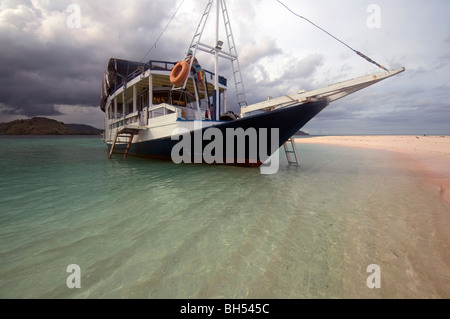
x=179 y=73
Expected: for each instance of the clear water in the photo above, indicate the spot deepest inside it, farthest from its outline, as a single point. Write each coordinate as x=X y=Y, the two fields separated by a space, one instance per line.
x=142 y=228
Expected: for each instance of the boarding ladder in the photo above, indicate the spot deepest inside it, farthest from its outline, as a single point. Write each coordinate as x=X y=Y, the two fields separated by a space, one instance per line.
x=291 y=152
x=124 y=132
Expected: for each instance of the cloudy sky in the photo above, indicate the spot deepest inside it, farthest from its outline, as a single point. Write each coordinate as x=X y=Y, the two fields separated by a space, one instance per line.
x=53 y=54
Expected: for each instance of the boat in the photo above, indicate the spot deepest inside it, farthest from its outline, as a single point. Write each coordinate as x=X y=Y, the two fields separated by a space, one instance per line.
x=175 y=110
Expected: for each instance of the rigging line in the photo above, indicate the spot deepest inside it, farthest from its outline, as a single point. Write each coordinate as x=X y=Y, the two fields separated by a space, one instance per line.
x=154 y=45
x=357 y=52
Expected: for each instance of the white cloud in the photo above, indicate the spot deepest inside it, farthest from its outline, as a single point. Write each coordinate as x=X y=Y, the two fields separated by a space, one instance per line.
x=17 y=19
x=255 y=50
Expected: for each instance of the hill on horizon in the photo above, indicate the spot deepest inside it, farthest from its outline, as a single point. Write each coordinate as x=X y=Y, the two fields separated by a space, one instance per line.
x=45 y=126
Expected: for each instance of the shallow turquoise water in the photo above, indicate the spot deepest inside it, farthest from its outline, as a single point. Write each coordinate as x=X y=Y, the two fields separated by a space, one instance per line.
x=142 y=228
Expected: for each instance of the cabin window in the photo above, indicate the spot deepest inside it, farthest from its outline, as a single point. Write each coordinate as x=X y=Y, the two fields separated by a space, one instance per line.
x=178 y=99
x=160 y=97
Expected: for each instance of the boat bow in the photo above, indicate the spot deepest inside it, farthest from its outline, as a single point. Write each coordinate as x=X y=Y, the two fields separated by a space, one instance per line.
x=331 y=92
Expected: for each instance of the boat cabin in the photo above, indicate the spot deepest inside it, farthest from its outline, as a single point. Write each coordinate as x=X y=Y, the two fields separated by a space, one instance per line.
x=139 y=94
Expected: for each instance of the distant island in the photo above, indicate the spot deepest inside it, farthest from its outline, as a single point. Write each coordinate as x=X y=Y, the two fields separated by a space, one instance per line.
x=45 y=126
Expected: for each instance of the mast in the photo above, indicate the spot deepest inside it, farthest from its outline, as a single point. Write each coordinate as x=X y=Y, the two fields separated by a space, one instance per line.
x=219 y=52
x=216 y=64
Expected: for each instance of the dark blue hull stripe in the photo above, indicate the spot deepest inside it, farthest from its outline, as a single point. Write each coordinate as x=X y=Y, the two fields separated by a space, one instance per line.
x=287 y=120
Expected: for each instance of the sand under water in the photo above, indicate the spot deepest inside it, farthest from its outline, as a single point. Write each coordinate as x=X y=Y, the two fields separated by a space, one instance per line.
x=142 y=228
x=426 y=252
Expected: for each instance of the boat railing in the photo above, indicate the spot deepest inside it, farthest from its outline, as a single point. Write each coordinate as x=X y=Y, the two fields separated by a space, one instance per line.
x=129 y=119
x=151 y=65
x=160 y=65
x=139 y=118
x=161 y=110
x=155 y=65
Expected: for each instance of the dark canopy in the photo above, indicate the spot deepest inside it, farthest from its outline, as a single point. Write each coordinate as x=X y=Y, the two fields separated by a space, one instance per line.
x=117 y=71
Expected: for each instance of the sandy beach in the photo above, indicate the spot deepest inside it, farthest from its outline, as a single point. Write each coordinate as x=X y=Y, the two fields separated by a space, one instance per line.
x=424 y=259
x=430 y=154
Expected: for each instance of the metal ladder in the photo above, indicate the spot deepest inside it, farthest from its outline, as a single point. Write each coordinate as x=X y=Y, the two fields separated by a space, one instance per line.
x=196 y=39
x=291 y=152
x=238 y=80
x=231 y=55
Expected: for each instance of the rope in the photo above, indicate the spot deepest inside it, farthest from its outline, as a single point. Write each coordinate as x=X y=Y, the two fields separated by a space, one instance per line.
x=154 y=45
x=357 y=52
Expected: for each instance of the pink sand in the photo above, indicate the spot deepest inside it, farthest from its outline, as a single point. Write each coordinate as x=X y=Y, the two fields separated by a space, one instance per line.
x=431 y=154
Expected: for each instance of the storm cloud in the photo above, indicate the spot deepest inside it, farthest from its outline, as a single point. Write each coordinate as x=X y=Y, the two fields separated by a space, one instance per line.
x=52 y=59
x=48 y=61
